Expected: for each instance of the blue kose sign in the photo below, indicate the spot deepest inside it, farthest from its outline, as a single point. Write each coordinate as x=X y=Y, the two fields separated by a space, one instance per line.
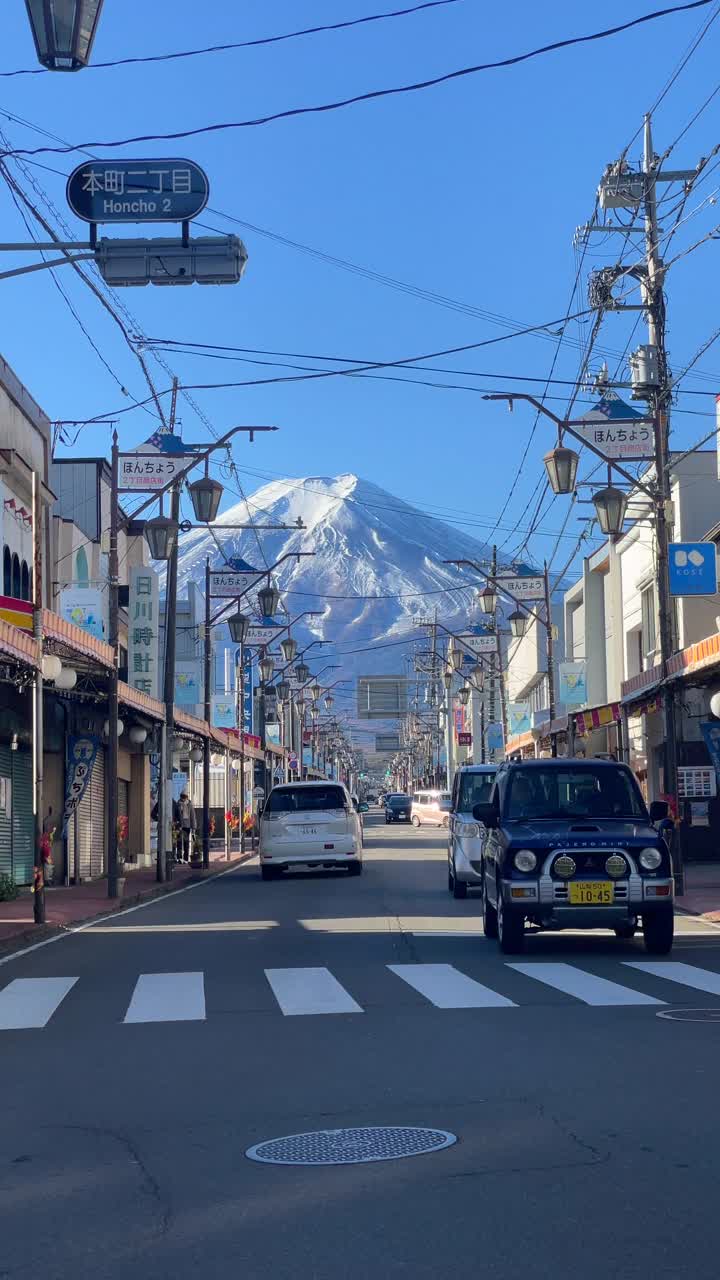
x=693 y=568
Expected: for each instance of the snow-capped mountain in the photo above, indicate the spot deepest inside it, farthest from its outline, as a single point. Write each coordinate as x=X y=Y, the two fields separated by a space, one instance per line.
x=375 y=569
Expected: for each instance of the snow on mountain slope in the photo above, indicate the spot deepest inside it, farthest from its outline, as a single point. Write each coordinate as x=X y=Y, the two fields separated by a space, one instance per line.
x=365 y=543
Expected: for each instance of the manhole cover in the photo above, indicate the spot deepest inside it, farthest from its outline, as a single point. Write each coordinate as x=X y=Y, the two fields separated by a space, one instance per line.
x=350 y=1146
x=691 y=1015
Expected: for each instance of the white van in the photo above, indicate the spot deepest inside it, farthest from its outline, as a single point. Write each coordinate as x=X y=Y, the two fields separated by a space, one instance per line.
x=431 y=808
x=310 y=824
x=472 y=786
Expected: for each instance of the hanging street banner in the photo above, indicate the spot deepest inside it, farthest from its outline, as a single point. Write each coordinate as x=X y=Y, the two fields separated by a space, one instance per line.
x=187 y=684
x=523 y=586
x=519 y=719
x=495 y=736
x=248 y=693
x=144 y=631
x=137 y=190
x=692 y=568
x=154 y=464
x=616 y=429
x=262 y=633
x=710 y=730
x=573 y=683
x=81 y=754
x=486 y=643
x=85 y=608
x=223 y=711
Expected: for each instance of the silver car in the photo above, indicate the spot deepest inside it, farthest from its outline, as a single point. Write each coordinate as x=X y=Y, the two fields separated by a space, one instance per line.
x=472 y=786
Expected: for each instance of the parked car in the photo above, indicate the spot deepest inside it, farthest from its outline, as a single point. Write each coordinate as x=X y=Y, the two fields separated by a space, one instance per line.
x=397 y=808
x=431 y=808
x=472 y=785
x=311 y=824
x=571 y=845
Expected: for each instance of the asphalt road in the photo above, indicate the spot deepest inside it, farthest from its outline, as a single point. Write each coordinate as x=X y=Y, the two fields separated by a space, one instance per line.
x=586 y=1123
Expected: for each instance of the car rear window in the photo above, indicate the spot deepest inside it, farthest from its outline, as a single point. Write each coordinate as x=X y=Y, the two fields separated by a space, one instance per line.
x=398 y=802
x=475 y=789
x=304 y=799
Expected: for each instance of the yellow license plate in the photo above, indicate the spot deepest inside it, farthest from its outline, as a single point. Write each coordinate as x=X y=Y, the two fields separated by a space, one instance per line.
x=591 y=893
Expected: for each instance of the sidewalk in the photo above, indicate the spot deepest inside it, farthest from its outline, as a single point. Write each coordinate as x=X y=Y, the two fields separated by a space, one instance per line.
x=702 y=891
x=67 y=906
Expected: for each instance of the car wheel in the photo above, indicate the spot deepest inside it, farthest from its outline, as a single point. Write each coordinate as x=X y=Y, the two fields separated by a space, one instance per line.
x=490 y=920
x=415 y=821
x=268 y=873
x=624 y=931
x=459 y=886
x=658 y=930
x=511 y=930
x=445 y=823
x=355 y=867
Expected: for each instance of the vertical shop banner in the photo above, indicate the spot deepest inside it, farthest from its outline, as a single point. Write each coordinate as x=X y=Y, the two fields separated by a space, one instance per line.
x=494 y=735
x=85 y=608
x=519 y=720
x=144 y=631
x=187 y=684
x=223 y=711
x=573 y=683
x=81 y=755
x=272 y=733
x=711 y=733
x=248 y=689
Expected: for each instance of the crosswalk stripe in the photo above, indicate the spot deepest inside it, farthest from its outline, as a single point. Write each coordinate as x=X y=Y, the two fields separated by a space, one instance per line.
x=687 y=974
x=31 y=1002
x=306 y=991
x=447 y=988
x=167 y=997
x=584 y=986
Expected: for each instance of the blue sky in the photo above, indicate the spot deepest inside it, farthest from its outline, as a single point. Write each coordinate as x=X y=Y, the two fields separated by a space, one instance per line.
x=471 y=190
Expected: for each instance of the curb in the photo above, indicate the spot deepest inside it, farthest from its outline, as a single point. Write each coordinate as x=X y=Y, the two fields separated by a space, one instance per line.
x=43 y=932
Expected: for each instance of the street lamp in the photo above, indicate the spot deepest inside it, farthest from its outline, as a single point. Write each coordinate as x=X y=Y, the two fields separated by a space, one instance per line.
x=457 y=657
x=487 y=598
x=464 y=695
x=478 y=675
x=283 y=691
x=610 y=505
x=238 y=624
x=315 y=691
x=289 y=648
x=447 y=680
x=63 y=31
x=205 y=494
x=268 y=599
x=518 y=624
x=266 y=666
x=161 y=534
x=302 y=672
x=329 y=701
x=561 y=465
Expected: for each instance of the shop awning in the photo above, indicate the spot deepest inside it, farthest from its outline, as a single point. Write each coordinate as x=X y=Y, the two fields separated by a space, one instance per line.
x=18 y=645
x=596 y=718
x=639 y=686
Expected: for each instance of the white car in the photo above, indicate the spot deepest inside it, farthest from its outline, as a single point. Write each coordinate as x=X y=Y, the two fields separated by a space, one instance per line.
x=310 y=824
x=473 y=784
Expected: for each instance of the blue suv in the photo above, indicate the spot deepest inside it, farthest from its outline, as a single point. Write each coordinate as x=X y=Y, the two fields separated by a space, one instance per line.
x=569 y=844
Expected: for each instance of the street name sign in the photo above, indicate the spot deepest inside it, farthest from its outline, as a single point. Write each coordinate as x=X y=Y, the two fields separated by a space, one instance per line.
x=146 y=472
x=260 y=634
x=227 y=583
x=616 y=430
x=479 y=644
x=137 y=190
x=524 y=588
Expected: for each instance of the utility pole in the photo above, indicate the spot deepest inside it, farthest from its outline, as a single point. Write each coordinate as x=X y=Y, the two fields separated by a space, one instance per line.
x=659 y=399
x=207 y=710
x=37 y=696
x=164 y=847
x=550 y=659
x=113 y=636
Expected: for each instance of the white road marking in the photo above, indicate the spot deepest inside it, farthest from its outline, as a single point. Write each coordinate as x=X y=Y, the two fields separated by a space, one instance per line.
x=445 y=987
x=305 y=991
x=31 y=1002
x=584 y=986
x=167 y=997
x=687 y=974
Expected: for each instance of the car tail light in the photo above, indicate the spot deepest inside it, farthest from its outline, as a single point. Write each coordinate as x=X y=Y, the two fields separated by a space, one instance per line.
x=328 y=846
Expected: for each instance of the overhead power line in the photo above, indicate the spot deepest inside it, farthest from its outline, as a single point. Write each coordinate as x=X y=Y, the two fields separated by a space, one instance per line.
x=373 y=94
x=246 y=44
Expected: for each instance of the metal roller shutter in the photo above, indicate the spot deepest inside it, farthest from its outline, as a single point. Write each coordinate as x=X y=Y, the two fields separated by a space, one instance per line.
x=6 y=815
x=17 y=824
x=89 y=824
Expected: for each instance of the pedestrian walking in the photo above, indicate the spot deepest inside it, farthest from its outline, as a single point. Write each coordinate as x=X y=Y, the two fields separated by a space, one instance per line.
x=188 y=826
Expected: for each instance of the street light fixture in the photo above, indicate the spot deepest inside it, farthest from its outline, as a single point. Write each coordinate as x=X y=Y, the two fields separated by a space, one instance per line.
x=268 y=599
x=464 y=695
x=267 y=667
x=63 y=31
x=561 y=465
x=457 y=657
x=329 y=701
x=289 y=648
x=205 y=495
x=315 y=691
x=610 y=505
x=239 y=624
x=302 y=672
x=487 y=598
x=161 y=534
x=447 y=680
x=283 y=691
x=518 y=624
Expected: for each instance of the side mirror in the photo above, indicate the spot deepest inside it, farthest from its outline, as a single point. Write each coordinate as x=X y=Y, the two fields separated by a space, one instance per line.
x=487 y=814
x=363 y=808
x=659 y=809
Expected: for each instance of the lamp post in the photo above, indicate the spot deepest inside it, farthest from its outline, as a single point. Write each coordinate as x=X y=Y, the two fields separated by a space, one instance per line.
x=63 y=31
x=449 y=730
x=239 y=624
